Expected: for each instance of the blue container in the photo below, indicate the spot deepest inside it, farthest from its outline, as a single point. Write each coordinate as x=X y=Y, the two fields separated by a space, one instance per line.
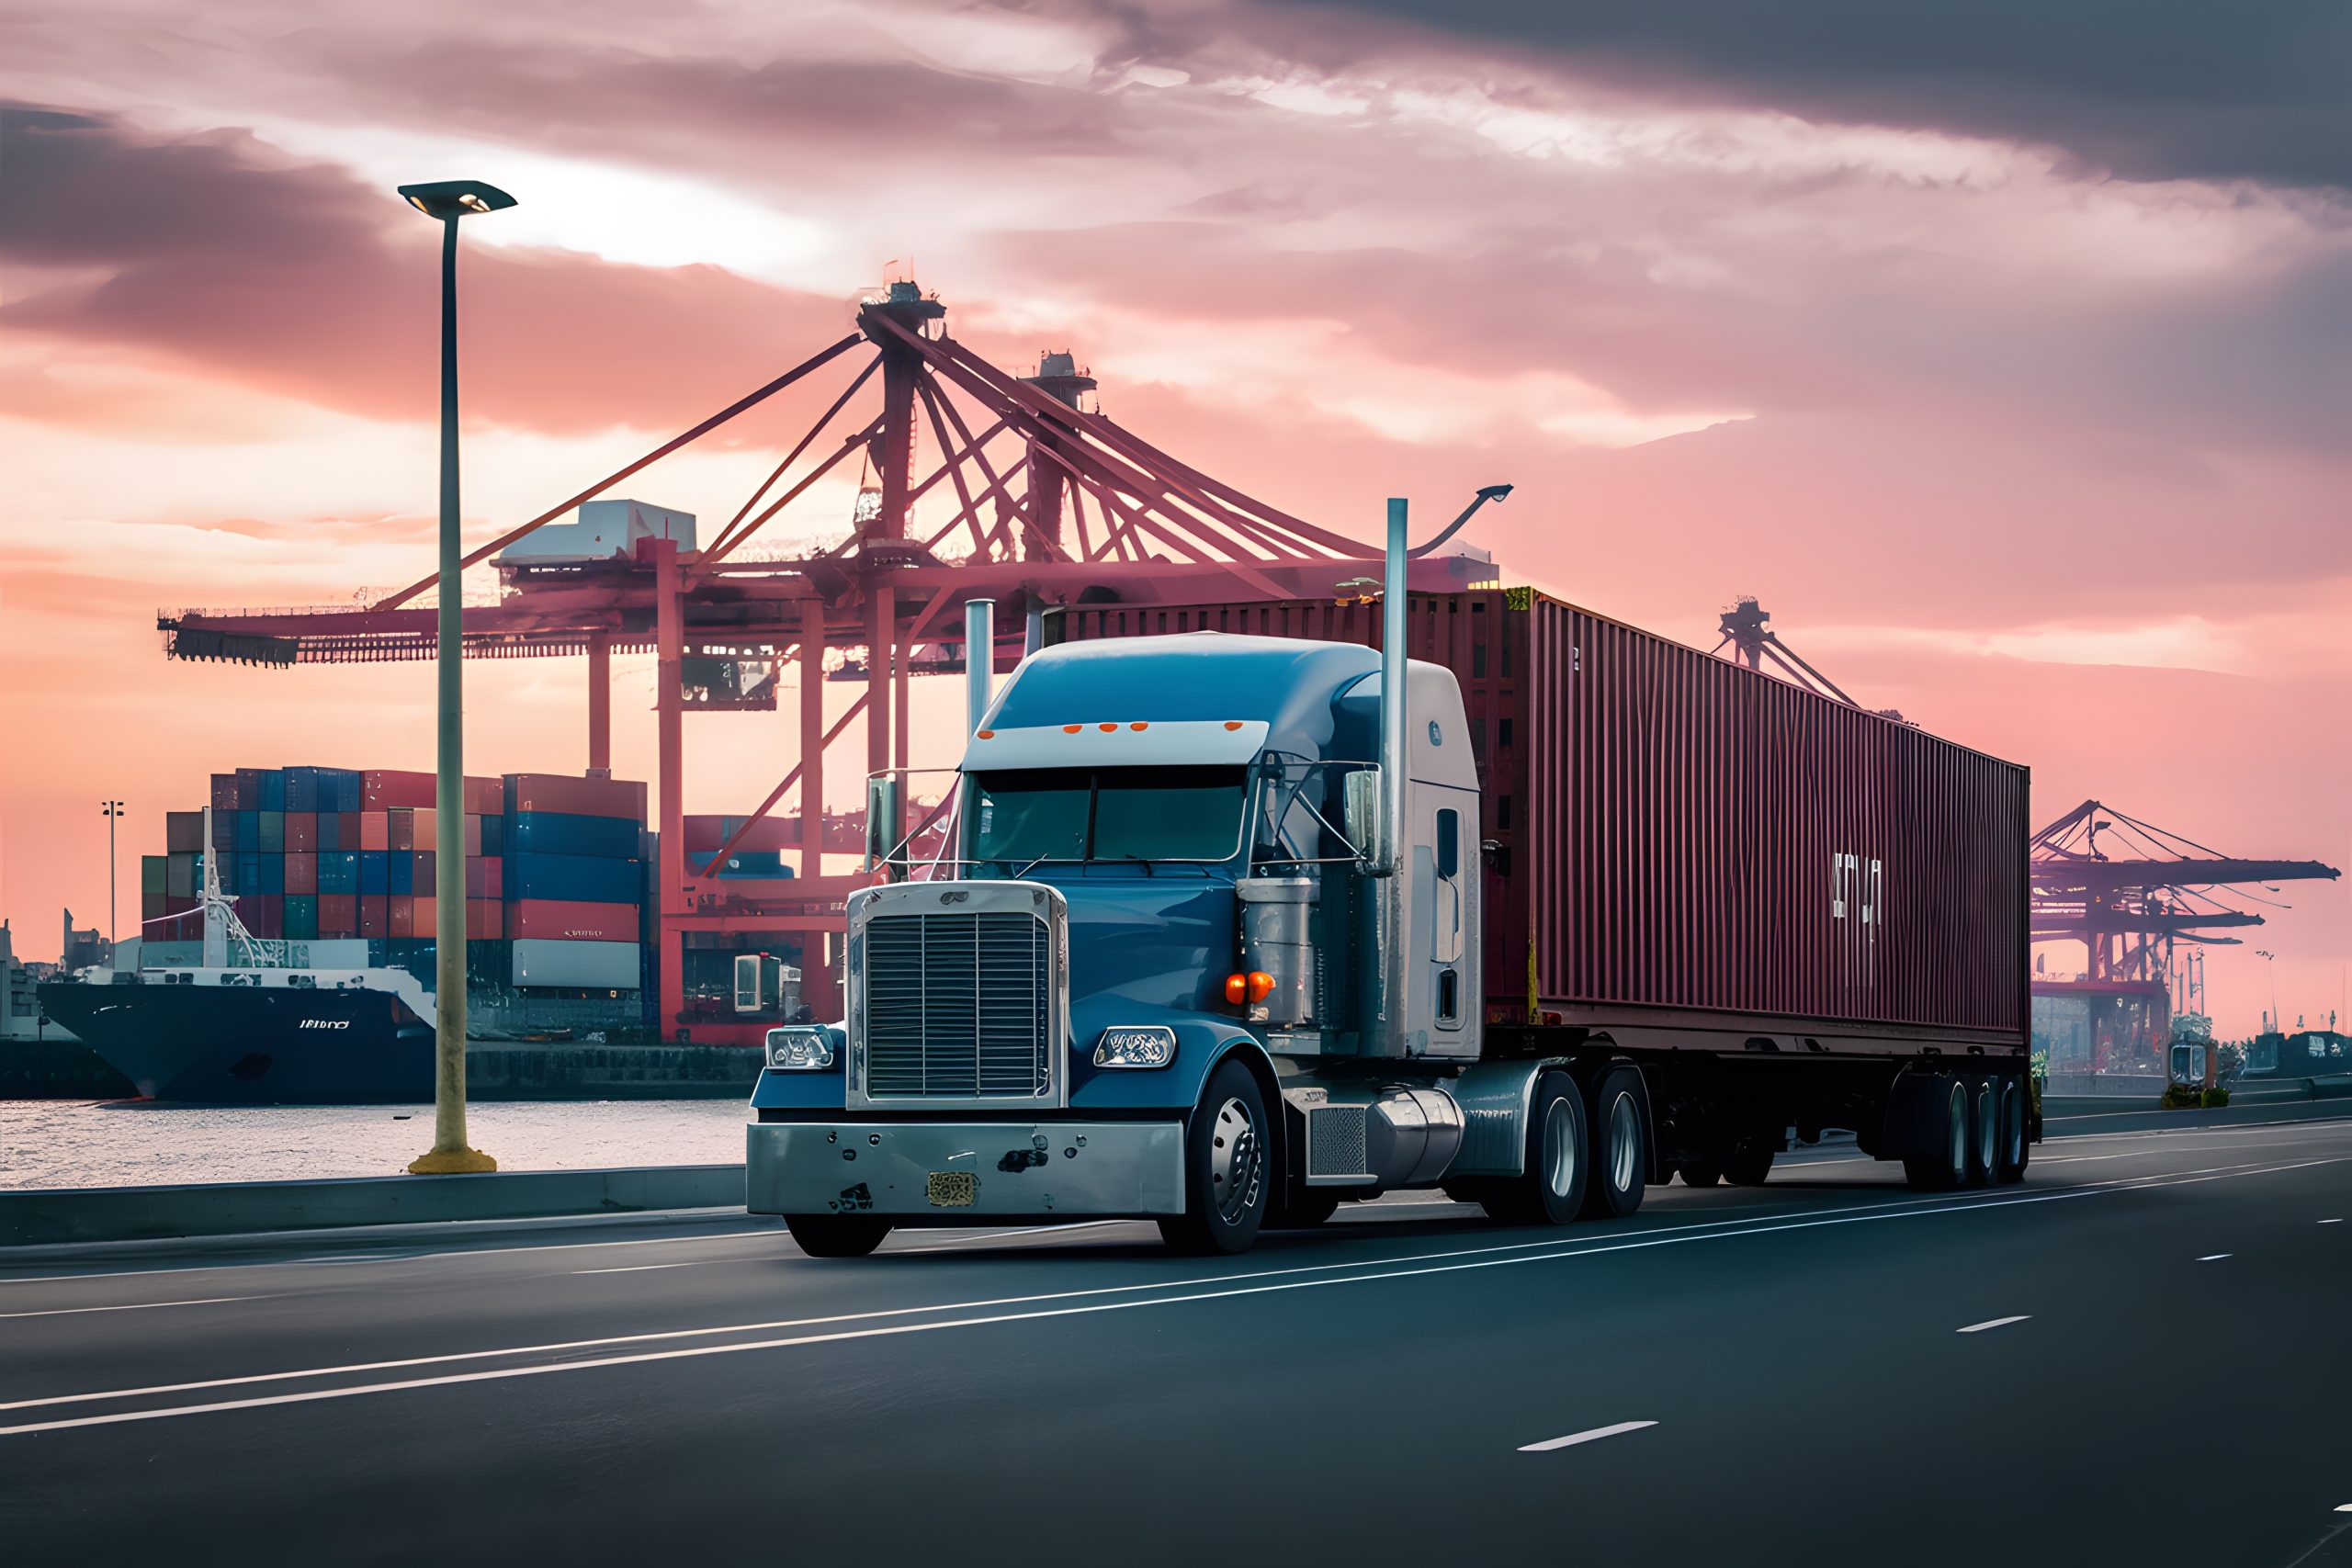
x=273 y=789
x=302 y=917
x=578 y=878
x=374 y=877
x=339 y=870
x=494 y=837
x=400 y=873
x=339 y=791
x=330 y=833
x=244 y=832
x=247 y=872
x=271 y=877
x=301 y=789
x=562 y=834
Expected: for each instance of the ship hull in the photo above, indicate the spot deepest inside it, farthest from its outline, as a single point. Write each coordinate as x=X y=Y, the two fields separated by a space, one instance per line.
x=252 y=1045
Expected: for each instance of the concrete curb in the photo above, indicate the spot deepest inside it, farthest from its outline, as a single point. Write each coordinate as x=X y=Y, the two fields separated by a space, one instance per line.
x=54 y=1215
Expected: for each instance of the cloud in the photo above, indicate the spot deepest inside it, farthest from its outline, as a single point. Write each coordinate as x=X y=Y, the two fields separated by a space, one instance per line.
x=2150 y=91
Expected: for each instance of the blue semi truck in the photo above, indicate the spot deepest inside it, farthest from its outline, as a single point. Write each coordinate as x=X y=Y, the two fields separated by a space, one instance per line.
x=1205 y=945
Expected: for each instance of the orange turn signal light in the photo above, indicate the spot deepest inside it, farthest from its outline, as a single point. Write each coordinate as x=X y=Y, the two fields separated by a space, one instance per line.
x=1237 y=988
x=1261 y=985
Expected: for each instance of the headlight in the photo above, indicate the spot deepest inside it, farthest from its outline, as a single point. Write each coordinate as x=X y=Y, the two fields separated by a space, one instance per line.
x=800 y=1050
x=1136 y=1045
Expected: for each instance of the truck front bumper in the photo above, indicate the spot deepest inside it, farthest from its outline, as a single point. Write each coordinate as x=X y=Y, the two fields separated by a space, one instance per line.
x=948 y=1171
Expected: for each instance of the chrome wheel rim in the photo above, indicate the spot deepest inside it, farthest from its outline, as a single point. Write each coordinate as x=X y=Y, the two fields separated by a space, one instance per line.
x=1236 y=1161
x=2013 y=1124
x=1625 y=1142
x=1956 y=1113
x=1988 y=1138
x=1560 y=1153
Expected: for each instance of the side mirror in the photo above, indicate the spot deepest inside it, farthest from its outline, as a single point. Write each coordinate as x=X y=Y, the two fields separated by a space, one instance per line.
x=1360 y=813
x=882 y=814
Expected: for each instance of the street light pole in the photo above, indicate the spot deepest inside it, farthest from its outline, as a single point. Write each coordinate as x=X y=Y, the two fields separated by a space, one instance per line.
x=112 y=810
x=450 y=201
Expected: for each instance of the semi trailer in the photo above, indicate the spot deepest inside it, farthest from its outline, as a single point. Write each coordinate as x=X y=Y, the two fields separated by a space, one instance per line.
x=1243 y=917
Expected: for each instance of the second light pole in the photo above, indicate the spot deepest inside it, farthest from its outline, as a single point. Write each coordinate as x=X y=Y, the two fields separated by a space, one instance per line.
x=450 y=201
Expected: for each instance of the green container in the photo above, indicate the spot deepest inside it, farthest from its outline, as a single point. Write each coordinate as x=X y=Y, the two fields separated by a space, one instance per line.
x=273 y=832
x=302 y=917
x=152 y=872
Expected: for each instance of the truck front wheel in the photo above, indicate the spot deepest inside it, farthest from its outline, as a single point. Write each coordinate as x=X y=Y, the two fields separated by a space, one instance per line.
x=836 y=1236
x=1227 y=1167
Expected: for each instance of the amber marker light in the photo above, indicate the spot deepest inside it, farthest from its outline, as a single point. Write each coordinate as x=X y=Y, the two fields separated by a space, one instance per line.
x=1261 y=985
x=1233 y=724
x=985 y=735
x=1237 y=988
x=1107 y=726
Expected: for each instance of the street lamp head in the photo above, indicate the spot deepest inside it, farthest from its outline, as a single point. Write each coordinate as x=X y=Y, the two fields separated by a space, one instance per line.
x=456 y=198
x=1494 y=492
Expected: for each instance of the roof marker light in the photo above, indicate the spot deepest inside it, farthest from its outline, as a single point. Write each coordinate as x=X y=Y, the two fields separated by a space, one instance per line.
x=1106 y=726
x=1072 y=729
x=1139 y=724
x=1233 y=724
x=984 y=735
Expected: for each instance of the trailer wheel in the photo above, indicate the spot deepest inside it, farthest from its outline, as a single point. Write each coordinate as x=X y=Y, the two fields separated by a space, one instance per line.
x=1984 y=1132
x=1947 y=1135
x=1551 y=1186
x=1700 y=1173
x=836 y=1236
x=1227 y=1168
x=2014 y=1150
x=1621 y=1145
x=1748 y=1168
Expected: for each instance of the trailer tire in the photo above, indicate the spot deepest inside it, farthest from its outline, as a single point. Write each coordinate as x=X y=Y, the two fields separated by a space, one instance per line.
x=1228 y=1171
x=1947 y=1133
x=1700 y=1173
x=1984 y=1132
x=1748 y=1168
x=836 y=1236
x=1550 y=1188
x=1619 y=1141
x=2015 y=1151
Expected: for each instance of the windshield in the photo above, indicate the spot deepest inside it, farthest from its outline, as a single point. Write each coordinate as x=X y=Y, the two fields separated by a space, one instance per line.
x=1069 y=814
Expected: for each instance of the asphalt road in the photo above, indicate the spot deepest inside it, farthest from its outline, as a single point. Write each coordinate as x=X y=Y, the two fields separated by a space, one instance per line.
x=2134 y=1357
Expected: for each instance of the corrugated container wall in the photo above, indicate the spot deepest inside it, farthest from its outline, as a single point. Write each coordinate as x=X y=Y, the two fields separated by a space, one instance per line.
x=1678 y=835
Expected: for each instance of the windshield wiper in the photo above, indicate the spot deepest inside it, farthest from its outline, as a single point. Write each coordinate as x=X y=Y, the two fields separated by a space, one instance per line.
x=1139 y=860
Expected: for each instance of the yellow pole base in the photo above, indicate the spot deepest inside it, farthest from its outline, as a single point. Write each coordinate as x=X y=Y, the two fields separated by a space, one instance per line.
x=451 y=1162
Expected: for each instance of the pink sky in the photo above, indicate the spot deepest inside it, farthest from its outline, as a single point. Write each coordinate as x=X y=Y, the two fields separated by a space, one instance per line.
x=2014 y=387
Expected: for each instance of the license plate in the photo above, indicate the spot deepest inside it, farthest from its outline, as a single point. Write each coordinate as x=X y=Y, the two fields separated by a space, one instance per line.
x=954 y=1188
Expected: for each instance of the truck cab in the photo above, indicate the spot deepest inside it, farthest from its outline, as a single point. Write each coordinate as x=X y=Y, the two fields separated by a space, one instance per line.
x=1172 y=968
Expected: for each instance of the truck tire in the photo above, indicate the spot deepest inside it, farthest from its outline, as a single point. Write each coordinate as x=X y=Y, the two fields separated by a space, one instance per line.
x=2014 y=1148
x=1700 y=1173
x=1550 y=1188
x=1947 y=1133
x=1984 y=1132
x=1748 y=1168
x=1621 y=1145
x=1228 y=1171
x=836 y=1236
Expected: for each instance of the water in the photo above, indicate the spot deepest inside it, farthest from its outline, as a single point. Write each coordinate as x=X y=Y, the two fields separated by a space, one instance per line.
x=55 y=1142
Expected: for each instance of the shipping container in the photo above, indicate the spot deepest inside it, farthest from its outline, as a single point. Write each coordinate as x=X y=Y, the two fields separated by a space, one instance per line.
x=402 y=834
x=569 y=833
x=375 y=915
x=270 y=876
x=485 y=919
x=273 y=832
x=338 y=870
x=247 y=837
x=493 y=835
x=382 y=790
x=301 y=874
x=400 y=874
x=338 y=915
x=179 y=874
x=374 y=879
x=426 y=869
x=477 y=878
x=346 y=824
x=302 y=831
x=264 y=914
x=423 y=829
x=1683 y=843
x=302 y=917
x=273 y=790
x=183 y=830
x=564 y=921
x=375 y=831
x=743 y=863
x=578 y=878
x=226 y=796
x=153 y=874
x=402 y=916
x=579 y=796
x=575 y=965
x=330 y=831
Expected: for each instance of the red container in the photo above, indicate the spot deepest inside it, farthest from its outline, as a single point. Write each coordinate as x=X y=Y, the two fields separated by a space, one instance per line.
x=485 y=797
x=493 y=878
x=402 y=830
x=375 y=829
x=301 y=874
x=561 y=920
x=581 y=797
x=424 y=867
x=338 y=915
x=383 y=791
x=375 y=915
x=477 y=878
x=473 y=833
x=485 y=919
x=183 y=830
x=264 y=914
x=301 y=833
x=400 y=914
x=1684 y=843
x=346 y=831
x=226 y=796
x=421 y=912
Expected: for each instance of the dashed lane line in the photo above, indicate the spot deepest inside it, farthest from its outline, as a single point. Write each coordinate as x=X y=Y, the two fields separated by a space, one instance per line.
x=133 y=1306
x=1995 y=1323
x=1573 y=1438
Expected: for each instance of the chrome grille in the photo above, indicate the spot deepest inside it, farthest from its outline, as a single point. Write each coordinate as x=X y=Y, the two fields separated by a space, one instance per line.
x=957 y=1006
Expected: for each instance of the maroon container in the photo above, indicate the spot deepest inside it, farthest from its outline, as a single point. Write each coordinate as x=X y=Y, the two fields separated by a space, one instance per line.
x=183 y=830
x=338 y=915
x=580 y=798
x=560 y=919
x=301 y=833
x=375 y=915
x=301 y=871
x=402 y=828
x=424 y=866
x=1685 y=843
x=226 y=795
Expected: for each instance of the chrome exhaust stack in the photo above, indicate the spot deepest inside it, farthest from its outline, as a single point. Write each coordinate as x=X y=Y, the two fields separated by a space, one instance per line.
x=980 y=661
x=1384 y=1032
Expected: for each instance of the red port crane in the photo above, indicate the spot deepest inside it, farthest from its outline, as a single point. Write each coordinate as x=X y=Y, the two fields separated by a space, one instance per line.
x=1053 y=502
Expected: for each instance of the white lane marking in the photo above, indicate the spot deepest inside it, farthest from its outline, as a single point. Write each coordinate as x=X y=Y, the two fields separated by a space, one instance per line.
x=1000 y=1235
x=134 y=1306
x=891 y=1330
x=1573 y=1438
x=2215 y=1257
x=2331 y=1222
x=647 y=1268
x=1993 y=1323
x=446 y=1252
x=2343 y=1507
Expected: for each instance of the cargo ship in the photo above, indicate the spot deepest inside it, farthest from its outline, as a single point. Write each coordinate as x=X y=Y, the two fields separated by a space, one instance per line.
x=253 y=1021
